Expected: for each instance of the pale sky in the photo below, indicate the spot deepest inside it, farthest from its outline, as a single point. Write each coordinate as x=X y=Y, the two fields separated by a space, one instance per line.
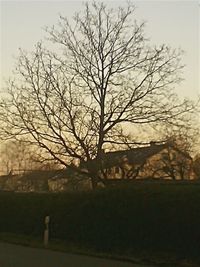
x=176 y=23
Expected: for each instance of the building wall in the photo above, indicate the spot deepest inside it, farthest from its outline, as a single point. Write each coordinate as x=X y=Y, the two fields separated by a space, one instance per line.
x=167 y=164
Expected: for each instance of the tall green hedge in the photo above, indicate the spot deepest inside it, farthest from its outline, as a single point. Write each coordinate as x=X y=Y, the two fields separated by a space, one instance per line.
x=126 y=219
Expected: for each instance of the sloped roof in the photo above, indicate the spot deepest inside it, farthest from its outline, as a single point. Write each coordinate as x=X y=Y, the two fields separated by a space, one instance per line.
x=135 y=156
x=70 y=172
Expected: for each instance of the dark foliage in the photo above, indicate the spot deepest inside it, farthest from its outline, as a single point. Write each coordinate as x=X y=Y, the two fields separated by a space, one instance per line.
x=161 y=217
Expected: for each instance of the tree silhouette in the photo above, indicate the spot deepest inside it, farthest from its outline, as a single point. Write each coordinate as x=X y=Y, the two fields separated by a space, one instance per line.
x=74 y=103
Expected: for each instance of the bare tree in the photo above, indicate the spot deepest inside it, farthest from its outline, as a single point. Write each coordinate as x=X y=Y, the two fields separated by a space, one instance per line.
x=75 y=104
x=185 y=140
x=19 y=157
x=196 y=166
x=13 y=157
x=177 y=165
x=185 y=137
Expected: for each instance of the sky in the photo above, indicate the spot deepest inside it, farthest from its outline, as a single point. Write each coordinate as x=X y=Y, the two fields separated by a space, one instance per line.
x=176 y=23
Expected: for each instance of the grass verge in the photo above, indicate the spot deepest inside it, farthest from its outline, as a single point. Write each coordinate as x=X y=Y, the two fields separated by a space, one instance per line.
x=142 y=258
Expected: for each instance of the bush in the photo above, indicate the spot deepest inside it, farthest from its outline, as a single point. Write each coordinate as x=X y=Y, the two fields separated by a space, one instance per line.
x=127 y=219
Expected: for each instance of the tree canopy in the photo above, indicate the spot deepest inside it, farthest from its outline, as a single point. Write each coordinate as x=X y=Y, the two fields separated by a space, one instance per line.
x=75 y=103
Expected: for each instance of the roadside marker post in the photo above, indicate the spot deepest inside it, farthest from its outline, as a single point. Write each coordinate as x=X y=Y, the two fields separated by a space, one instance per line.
x=46 y=231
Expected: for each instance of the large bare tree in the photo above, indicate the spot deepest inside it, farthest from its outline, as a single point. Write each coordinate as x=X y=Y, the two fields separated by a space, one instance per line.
x=75 y=103
x=18 y=157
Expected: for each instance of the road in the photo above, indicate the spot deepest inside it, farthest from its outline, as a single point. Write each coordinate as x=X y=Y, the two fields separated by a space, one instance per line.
x=19 y=256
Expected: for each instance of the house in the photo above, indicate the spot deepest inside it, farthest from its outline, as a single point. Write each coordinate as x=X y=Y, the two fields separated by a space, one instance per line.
x=46 y=181
x=35 y=181
x=69 y=180
x=154 y=161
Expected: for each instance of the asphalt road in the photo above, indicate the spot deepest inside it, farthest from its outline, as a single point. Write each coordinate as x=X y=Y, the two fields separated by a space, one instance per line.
x=19 y=256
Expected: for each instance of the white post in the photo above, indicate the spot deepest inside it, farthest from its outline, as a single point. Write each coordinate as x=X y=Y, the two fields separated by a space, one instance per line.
x=46 y=231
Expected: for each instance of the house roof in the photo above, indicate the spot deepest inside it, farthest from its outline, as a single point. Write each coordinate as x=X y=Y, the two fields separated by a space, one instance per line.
x=66 y=173
x=135 y=156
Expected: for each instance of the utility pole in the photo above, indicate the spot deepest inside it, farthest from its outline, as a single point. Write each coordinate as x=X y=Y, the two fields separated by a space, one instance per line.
x=46 y=231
